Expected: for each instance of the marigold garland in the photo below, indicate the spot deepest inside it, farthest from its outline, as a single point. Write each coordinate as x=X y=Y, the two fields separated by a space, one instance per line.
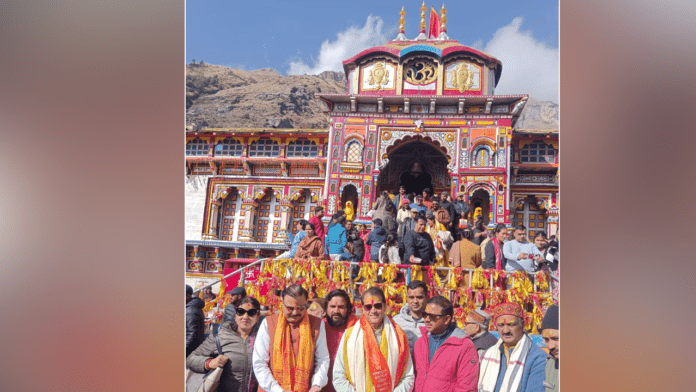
x=319 y=277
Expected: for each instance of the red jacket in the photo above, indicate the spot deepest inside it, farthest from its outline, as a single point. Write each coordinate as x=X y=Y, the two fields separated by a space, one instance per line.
x=318 y=227
x=455 y=365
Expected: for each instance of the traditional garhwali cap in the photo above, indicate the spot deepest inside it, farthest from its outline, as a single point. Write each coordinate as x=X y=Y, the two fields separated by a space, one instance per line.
x=507 y=308
x=416 y=210
x=405 y=201
x=419 y=197
x=550 y=318
x=479 y=316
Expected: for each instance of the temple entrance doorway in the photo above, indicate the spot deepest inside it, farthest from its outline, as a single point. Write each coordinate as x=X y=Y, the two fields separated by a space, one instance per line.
x=350 y=194
x=480 y=198
x=416 y=165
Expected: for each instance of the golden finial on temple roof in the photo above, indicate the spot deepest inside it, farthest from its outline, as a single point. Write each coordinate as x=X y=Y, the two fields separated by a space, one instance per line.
x=443 y=18
x=421 y=35
x=402 y=26
x=402 y=21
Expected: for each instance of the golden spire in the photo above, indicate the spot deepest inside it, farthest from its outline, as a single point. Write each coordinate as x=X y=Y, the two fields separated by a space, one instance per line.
x=402 y=21
x=443 y=19
x=422 y=22
x=402 y=26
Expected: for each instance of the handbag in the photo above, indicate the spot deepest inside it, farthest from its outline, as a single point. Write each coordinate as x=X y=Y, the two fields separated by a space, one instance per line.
x=208 y=382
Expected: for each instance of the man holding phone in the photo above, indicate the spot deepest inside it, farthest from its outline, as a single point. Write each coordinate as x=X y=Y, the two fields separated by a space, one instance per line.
x=521 y=255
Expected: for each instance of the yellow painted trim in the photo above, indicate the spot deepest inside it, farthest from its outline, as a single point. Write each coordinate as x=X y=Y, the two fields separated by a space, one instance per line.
x=380 y=122
x=220 y=138
x=404 y=121
x=356 y=120
x=204 y=138
x=440 y=79
x=432 y=122
x=458 y=122
x=485 y=122
x=399 y=79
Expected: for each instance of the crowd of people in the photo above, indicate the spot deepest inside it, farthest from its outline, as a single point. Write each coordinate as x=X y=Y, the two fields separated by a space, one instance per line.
x=332 y=345
x=425 y=230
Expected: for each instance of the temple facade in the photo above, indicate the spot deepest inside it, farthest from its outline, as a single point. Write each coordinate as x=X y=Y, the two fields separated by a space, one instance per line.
x=421 y=113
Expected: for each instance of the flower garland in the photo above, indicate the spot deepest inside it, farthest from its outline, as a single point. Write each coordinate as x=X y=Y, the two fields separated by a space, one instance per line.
x=319 y=277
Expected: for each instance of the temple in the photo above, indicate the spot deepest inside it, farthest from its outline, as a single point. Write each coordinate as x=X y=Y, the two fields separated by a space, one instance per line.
x=420 y=112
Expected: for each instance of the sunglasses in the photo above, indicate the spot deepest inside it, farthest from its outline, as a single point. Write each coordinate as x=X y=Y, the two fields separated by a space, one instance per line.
x=242 y=312
x=368 y=307
x=433 y=317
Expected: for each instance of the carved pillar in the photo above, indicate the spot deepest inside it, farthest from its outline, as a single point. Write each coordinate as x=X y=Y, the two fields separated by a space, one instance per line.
x=285 y=211
x=249 y=206
x=213 y=219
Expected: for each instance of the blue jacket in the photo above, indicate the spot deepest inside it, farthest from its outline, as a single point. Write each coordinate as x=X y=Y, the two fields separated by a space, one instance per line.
x=296 y=242
x=377 y=238
x=533 y=373
x=336 y=239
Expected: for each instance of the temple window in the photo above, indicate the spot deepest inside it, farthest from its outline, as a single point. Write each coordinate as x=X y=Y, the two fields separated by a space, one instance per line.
x=538 y=152
x=302 y=148
x=197 y=147
x=229 y=147
x=264 y=148
x=354 y=151
x=482 y=157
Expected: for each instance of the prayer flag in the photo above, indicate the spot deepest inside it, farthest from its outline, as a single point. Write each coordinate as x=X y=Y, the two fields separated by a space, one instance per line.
x=434 y=30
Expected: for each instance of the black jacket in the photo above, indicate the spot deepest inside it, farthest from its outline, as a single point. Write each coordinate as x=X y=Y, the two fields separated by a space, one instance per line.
x=229 y=314
x=419 y=245
x=358 y=244
x=451 y=210
x=195 y=324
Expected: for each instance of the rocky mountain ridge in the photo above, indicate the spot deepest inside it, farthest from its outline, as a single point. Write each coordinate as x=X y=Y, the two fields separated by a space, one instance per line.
x=222 y=97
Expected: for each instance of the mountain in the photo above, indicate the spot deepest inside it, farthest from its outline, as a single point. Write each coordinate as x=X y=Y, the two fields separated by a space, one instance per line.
x=538 y=115
x=222 y=97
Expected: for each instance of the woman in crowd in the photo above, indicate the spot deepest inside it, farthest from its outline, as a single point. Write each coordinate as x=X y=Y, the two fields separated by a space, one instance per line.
x=311 y=246
x=237 y=344
x=480 y=232
x=389 y=252
x=208 y=294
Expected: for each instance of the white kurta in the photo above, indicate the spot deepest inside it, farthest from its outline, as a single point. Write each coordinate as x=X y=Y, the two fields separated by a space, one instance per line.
x=340 y=382
x=262 y=358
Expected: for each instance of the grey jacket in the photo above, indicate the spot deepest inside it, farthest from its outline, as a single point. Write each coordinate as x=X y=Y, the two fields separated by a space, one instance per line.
x=237 y=373
x=410 y=325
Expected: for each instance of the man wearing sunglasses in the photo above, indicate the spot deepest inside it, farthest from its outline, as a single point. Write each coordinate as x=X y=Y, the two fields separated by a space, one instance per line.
x=290 y=351
x=374 y=353
x=444 y=356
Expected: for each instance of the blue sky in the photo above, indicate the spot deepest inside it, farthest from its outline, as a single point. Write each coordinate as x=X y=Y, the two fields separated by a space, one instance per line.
x=311 y=36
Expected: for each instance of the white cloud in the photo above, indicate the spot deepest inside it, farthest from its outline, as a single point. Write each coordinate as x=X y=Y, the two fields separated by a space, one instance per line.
x=347 y=44
x=529 y=66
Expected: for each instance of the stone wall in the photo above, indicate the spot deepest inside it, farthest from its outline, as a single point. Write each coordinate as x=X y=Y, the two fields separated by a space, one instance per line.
x=194 y=195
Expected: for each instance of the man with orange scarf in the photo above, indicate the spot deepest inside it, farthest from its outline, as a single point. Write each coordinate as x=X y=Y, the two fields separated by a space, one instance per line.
x=290 y=352
x=374 y=354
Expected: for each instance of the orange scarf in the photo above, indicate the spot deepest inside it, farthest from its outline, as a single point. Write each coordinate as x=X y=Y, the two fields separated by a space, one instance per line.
x=376 y=361
x=293 y=374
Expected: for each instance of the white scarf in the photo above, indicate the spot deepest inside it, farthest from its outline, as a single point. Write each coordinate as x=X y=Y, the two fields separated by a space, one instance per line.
x=490 y=366
x=356 y=354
